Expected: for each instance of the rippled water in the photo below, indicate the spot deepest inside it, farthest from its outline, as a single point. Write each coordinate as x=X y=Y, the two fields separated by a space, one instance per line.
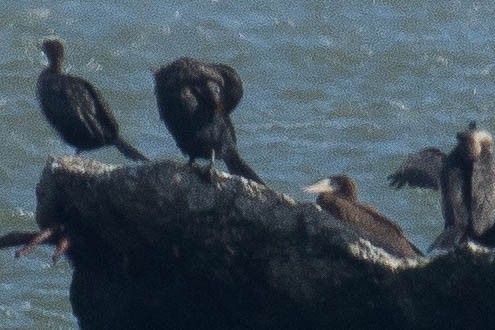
x=330 y=87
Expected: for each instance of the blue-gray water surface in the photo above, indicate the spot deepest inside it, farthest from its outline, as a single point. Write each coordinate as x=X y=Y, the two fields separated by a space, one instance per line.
x=330 y=87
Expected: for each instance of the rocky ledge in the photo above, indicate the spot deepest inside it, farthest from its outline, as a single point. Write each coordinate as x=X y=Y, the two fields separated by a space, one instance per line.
x=162 y=245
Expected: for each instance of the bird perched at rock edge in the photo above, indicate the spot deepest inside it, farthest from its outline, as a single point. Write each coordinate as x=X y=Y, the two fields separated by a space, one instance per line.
x=466 y=179
x=339 y=196
x=81 y=116
x=76 y=109
x=195 y=100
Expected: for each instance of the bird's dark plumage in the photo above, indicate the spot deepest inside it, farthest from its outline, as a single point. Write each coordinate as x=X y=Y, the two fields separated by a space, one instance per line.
x=338 y=195
x=420 y=170
x=483 y=191
x=76 y=109
x=195 y=100
x=466 y=178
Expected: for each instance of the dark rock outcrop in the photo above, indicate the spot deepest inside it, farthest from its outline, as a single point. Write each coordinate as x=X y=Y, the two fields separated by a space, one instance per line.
x=159 y=246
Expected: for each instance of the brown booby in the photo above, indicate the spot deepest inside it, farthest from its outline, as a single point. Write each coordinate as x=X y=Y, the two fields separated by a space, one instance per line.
x=339 y=196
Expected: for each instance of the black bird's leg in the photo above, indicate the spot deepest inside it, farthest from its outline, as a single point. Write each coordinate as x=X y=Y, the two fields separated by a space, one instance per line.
x=62 y=247
x=211 y=166
x=209 y=172
x=55 y=233
x=205 y=172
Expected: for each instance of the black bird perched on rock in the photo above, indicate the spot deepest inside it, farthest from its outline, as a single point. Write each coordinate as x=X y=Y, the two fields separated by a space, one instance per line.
x=195 y=100
x=466 y=179
x=76 y=108
x=339 y=196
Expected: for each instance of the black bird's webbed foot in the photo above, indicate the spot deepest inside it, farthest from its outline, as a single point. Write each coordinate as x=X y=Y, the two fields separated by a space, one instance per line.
x=191 y=161
x=208 y=172
x=55 y=235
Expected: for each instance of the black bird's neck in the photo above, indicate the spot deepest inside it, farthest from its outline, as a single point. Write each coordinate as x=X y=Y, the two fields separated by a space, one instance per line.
x=55 y=65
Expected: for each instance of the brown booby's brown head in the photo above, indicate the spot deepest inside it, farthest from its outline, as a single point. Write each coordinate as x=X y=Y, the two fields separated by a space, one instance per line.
x=338 y=185
x=54 y=51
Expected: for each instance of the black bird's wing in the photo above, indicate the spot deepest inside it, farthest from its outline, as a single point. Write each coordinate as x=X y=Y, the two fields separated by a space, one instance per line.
x=76 y=109
x=483 y=195
x=456 y=188
x=232 y=91
x=238 y=166
x=98 y=115
x=422 y=169
x=189 y=94
x=100 y=120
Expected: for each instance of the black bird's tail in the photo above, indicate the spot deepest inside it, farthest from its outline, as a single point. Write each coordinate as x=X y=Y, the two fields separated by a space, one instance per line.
x=129 y=151
x=238 y=166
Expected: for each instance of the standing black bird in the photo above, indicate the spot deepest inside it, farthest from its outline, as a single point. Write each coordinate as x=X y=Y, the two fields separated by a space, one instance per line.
x=466 y=179
x=76 y=108
x=338 y=195
x=195 y=100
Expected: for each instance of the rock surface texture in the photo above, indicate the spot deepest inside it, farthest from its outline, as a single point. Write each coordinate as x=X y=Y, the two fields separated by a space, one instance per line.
x=161 y=246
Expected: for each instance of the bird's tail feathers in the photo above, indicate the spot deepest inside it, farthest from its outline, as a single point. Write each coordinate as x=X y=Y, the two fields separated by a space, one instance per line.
x=129 y=151
x=238 y=166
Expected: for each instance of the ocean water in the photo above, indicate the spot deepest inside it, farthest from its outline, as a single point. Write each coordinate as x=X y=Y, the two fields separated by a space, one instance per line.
x=330 y=87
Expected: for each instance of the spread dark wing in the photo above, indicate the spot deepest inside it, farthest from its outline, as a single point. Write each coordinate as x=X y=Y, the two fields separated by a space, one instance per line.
x=483 y=195
x=422 y=169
